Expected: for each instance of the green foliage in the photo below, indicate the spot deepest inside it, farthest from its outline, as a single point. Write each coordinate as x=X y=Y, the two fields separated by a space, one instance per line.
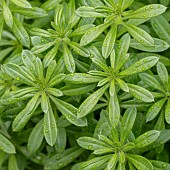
x=84 y=85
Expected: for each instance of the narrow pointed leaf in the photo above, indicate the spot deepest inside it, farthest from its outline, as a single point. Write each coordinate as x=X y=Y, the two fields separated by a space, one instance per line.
x=114 y=110
x=22 y=3
x=6 y=145
x=122 y=85
x=24 y=116
x=109 y=41
x=7 y=14
x=50 y=128
x=86 y=11
x=36 y=137
x=121 y=51
x=82 y=78
x=139 y=34
x=159 y=45
x=93 y=33
x=140 y=93
x=163 y=73
x=91 y=143
x=12 y=163
x=127 y=123
x=69 y=111
x=151 y=81
x=78 y=49
x=147 y=11
x=140 y=162
x=31 y=12
x=68 y=59
x=146 y=139
x=155 y=109
x=20 y=32
x=161 y=27
x=140 y=66
x=167 y=112
x=112 y=162
x=50 y=55
x=89 y=103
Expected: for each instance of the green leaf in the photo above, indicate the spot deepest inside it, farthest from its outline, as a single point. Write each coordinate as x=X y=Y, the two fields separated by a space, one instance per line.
x=50 y=4
x=140 y=162
x=159 y=46
x=39 y=69
x=24 y=116
x=151 y=81
x=69 y=111
x=163 y=73
x=112 y=87
x=81 y=30
x=114 y=110
x=55 y=92
x=121 y=51
x=89 y=103
x=109 y=41
x=28 y=59
x=41 y=48
x=61 y=140
x=58 y=78
x=126 y=3
x=155 y=109
x=93 y=33
x=81 y=78
x=50 y=128
x=68 y=59
x=22 y=3
x=58 y=161
x=36 y=137
x=140 y=66
x=19 y=74
x=31 y=12
x=12 y=163
x=38 y=32
x=91 y=143
x=6 y=145
x=44 y=102
x=146 y=138
x=51 y=55
x=147 y=11
x=7 y=14
x=98 y=162
x=20 y=32
x=78 y=49
x=5 y=52
x=112 y=162
x=140 y=93
x=128 y=146
x=79 y=90
x=86 y=11
x=122 y=85
x=167 y=112
x=139 y=35
x=1 y=24
x=159 y=165
x=127 y=123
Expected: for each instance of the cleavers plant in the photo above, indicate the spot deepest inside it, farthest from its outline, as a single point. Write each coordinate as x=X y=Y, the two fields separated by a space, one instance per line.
x=84 y=85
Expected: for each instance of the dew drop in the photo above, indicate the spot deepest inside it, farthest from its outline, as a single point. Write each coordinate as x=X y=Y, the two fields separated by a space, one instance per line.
x=60 y=164
x=149 y=140
x=18 y=78
x=24 y=57
x=46 y=131
x=104 y=45
x=90 y=147
x=146 y=134
x=164 y=165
